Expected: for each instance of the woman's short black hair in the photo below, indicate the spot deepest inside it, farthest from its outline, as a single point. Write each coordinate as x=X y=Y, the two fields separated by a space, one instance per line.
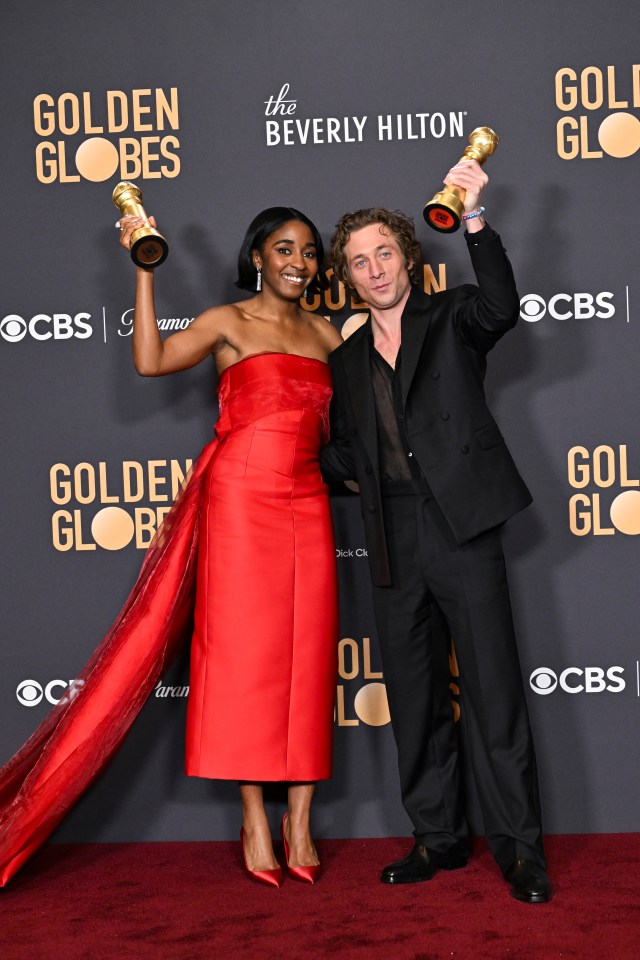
x=262 y=227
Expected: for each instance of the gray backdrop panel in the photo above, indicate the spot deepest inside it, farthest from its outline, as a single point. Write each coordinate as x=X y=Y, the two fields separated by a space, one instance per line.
x=564 y=380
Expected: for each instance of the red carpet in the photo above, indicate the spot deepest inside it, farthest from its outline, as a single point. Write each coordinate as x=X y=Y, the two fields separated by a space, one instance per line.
x=186 y=901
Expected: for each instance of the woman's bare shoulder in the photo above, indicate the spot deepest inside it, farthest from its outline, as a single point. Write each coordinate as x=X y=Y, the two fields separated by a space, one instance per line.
x=325 y=329
x=223 y=312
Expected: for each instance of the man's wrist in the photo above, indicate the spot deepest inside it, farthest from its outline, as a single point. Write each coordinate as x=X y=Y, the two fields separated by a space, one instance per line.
x=475 y=224
x=484 y=235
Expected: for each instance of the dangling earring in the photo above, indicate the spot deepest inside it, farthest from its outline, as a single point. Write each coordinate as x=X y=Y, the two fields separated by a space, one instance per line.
x=259 y=280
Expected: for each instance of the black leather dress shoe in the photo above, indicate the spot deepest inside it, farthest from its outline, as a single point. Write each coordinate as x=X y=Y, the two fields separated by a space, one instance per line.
x=421 y=864
x=529 y=882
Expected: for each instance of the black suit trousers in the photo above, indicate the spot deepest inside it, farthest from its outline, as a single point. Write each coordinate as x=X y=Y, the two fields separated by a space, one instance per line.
x=433 y=577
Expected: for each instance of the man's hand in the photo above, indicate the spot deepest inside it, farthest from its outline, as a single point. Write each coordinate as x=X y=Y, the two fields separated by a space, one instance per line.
x=469 y=175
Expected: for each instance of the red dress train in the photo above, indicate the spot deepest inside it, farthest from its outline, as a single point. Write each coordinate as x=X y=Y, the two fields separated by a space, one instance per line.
x=263 y=584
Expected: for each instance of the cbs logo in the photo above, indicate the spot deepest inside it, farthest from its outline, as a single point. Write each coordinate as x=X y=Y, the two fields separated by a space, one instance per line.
x=564 y=306
x=30 y=692
x=60 y=326
x=576 y=680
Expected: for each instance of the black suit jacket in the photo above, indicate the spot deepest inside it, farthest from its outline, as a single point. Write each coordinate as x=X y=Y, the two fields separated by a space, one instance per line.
x=445 y=339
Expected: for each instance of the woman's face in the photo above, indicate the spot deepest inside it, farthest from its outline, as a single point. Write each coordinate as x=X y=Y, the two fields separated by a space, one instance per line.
x=288 y=260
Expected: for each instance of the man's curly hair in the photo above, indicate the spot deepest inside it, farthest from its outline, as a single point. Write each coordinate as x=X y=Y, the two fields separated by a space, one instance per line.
x=393 y=221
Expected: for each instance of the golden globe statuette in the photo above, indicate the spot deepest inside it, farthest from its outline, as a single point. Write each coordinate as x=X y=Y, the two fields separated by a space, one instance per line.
x=148 y=247
x=444 y=211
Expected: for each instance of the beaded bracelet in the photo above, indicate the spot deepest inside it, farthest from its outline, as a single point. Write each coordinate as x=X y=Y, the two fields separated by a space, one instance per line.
x=472 y=216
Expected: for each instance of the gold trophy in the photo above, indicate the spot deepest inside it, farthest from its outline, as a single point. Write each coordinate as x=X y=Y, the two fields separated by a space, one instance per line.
x=148 y=247
x=444 y=212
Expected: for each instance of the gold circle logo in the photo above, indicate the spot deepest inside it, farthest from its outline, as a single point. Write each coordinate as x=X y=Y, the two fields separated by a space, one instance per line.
x=112 y=528
x=97 y=159
x=625 y=512
x=619 y=135
x=371 y=704
x=354 y=323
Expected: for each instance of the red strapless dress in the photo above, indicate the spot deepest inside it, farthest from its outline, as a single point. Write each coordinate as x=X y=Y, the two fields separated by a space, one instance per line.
x=264 y=649
x=263 y=583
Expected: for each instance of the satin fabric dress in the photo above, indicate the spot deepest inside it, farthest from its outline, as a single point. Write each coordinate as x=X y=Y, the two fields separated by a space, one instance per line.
x=264 y=649
x=263 y=678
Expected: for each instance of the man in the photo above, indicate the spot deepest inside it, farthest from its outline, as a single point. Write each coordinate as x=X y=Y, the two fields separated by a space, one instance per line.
x=410 y=423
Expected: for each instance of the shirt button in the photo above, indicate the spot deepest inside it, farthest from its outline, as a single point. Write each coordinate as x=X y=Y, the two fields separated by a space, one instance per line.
x=368 y=470
x=464 y=449
x=409 y=454
x=445 y=415
x=435 y=375
x=371 y=508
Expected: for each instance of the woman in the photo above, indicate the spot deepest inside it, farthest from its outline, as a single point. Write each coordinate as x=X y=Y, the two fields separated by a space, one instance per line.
x=264 y=645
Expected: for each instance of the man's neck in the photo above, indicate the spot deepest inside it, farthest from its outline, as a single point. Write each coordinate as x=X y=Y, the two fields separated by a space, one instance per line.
x=386 y=324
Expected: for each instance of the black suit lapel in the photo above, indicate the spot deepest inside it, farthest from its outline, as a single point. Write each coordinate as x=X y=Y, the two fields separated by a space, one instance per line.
x=357 y=368
x=415 y=322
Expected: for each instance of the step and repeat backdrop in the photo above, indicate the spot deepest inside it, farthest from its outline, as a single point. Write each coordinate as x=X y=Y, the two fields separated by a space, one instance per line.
x=217 y=111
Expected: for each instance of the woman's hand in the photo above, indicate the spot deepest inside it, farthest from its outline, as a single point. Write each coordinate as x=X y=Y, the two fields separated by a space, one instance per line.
x=128 y=225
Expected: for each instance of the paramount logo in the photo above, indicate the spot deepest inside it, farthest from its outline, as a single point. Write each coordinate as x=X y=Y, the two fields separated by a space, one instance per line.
x=164 y=323
x=171 y=692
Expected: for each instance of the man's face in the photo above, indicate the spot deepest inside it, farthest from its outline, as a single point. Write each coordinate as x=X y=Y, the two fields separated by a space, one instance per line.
x=376 y=266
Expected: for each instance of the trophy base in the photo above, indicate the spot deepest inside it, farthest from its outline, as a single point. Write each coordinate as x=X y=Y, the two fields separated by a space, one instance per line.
x=441 y=218
x=149 y=250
